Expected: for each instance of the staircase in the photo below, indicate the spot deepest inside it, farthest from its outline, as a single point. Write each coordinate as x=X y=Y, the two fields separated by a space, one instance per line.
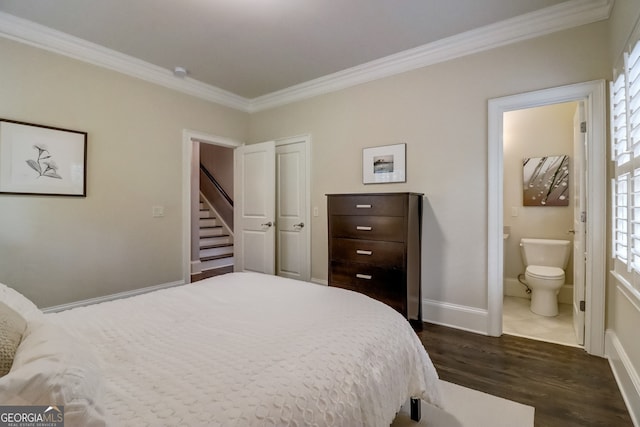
x=216 y=245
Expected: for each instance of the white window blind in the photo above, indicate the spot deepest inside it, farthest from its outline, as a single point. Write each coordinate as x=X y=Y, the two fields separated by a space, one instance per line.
x=620 y=215
x=634 y=210
x=625 y=140
x=618 y=93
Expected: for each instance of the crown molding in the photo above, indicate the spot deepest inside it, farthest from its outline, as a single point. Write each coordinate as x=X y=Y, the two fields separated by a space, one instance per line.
x=42 y=37
x=563 y=16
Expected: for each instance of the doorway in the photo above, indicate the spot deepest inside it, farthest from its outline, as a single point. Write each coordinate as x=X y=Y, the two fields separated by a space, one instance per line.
x=292 y=196
x=544 y=170
x=593 y=95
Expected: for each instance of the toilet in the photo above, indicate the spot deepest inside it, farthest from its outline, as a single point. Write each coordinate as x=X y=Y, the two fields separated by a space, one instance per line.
x=545 y=261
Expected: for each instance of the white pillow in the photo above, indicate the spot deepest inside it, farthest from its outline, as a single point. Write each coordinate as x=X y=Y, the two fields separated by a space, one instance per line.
x=19 y=303
x=52 y=368
x=12 y=326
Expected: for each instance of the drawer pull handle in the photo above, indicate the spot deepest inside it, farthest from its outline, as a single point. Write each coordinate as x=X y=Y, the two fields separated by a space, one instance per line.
x=363 y=206
x=364 y=276
x=361 y=252
x=363 y=228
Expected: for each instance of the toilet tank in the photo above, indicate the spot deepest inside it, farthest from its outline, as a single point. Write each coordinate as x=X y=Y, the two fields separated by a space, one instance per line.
x=547 y=252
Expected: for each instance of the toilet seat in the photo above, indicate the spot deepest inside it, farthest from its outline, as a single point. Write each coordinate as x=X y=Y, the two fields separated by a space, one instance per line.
x=544 y=272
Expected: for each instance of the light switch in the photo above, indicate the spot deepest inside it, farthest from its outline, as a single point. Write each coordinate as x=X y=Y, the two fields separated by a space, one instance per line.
x=157 y=211
x=315 y=211
x=514 y=211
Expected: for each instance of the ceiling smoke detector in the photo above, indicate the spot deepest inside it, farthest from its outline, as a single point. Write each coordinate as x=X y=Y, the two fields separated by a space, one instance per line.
x=180 y=72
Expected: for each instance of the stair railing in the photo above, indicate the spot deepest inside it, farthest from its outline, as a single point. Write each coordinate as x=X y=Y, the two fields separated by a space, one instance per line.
x=216 y=195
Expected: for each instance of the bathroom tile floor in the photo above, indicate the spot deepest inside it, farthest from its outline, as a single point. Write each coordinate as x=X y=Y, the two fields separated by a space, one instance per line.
x=519 y=320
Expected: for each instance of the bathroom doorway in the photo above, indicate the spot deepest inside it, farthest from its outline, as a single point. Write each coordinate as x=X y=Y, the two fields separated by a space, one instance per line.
x=540 y=136
x=593 y=95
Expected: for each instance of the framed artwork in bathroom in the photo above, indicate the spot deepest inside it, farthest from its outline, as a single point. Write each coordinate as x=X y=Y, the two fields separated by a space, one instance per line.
x=546 y=181
x=384 y=164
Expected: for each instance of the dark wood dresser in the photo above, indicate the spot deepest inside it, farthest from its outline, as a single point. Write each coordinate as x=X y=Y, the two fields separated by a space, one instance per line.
x=375 y=247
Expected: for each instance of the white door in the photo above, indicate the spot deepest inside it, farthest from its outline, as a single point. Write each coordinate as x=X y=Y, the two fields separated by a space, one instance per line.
x=579 y=219
x=292 y=239
x=254 y=211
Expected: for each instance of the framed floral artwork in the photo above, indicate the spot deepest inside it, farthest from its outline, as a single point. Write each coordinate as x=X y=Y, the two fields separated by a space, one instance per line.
x=42 y=160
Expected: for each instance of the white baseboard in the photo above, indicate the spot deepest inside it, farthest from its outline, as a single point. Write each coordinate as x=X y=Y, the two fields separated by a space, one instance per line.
x=196 y=267
x=111 y=297
x=513 y=288
x=625 y=374
x=452 y=315
x=455 y=316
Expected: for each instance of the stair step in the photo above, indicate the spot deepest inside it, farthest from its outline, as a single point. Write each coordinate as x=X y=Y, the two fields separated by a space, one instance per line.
x=214 y=257
x=206 y=213
x=215 y=240
x=215 y=250
x=209 y=222
x=211 y=231
x=216 y=262
x=216 y=245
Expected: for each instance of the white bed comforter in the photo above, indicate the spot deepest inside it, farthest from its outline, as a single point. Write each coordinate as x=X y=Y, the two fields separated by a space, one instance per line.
x=247 y=349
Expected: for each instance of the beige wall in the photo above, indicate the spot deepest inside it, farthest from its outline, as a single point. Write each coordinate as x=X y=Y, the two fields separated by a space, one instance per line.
x=535 y=132
x=219 y=161
x=440 y=112
x=57 y=250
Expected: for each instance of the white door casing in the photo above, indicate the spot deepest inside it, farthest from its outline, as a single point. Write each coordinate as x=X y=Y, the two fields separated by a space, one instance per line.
x=190 y=189
x=254 y=207
x=190 y=138
x=293 y=226
x=579 y=218
x=593 y=94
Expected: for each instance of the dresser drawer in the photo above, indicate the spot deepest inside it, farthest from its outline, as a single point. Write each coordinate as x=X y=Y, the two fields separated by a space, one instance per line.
x=384 y=254
x=364 y=275
x=389 y=228
x=390 y=296
x=385 y=285
x=367 y=204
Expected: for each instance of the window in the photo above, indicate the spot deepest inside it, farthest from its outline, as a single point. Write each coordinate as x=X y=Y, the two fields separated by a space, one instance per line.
x=625 y=149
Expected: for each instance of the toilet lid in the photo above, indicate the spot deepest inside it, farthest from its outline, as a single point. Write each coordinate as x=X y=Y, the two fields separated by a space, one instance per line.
x=544 y=272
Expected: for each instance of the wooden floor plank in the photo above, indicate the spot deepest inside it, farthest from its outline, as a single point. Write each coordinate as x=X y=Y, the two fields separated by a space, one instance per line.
x=567 y=386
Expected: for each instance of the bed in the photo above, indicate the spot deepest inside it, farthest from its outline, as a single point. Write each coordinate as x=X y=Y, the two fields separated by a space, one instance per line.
x=242 y=349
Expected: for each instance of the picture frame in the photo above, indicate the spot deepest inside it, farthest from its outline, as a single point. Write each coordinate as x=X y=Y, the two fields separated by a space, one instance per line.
x=42 y=160
x=545 y=181
x=384 y=164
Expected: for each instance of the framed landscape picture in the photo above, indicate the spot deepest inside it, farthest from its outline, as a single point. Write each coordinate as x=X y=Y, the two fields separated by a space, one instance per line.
x=384 y=164
x=42 y=160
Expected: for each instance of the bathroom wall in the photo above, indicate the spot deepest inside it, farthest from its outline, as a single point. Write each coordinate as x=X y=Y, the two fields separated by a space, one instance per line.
x=535 y=132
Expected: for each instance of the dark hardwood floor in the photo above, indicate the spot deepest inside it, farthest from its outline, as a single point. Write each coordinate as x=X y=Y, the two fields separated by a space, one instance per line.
x=567 y=386
x=196 y=277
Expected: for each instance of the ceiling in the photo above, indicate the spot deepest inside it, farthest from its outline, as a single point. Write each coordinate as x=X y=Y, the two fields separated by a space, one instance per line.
x=252 y=48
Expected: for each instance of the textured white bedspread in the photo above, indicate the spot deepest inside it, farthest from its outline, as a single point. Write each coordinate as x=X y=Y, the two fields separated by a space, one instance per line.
x=246 y=349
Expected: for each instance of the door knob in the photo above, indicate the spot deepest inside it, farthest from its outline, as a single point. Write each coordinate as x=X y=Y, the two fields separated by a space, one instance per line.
x=267 y=224
x=572 y=231
x=298 y=225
